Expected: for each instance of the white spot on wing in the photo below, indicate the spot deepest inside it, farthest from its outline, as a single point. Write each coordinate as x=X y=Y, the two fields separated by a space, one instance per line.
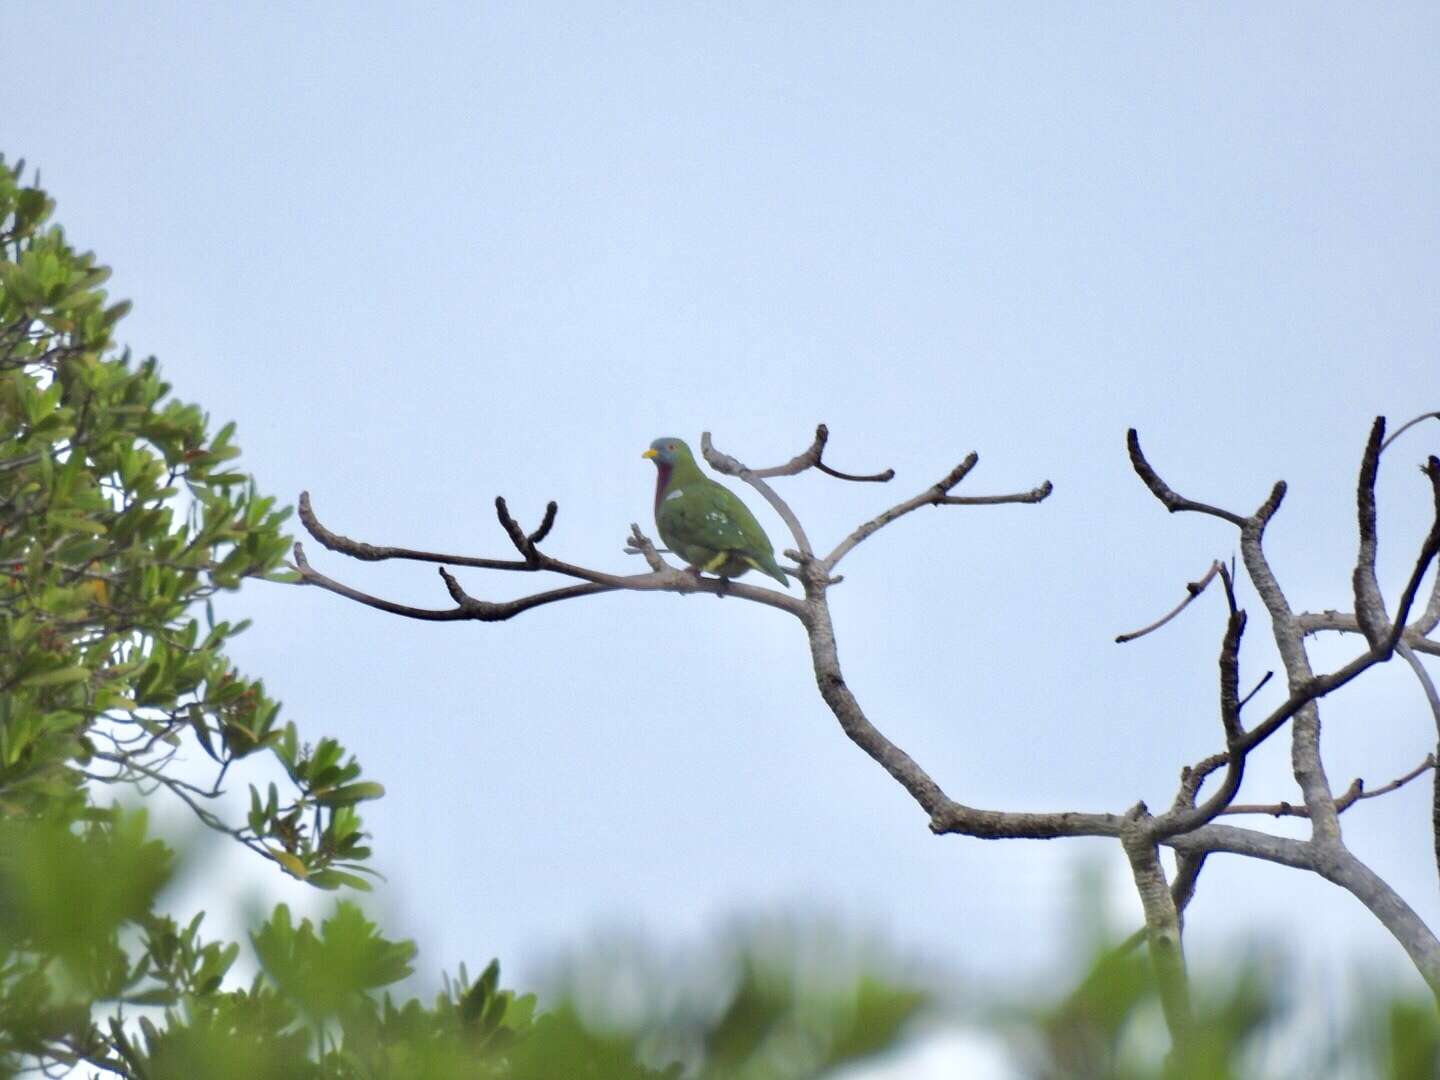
x=675 y=494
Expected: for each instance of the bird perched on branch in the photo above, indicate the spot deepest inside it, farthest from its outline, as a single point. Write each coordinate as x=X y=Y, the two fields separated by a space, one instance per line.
x=704 y=523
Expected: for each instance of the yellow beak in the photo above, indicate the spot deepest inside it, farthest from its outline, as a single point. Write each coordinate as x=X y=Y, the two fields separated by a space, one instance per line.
x=652 y=452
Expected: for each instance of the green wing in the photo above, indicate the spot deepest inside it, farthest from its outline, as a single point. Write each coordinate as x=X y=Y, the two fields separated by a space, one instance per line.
x=704 y=519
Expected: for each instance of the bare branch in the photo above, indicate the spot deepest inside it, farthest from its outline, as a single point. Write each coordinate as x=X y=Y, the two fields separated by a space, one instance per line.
x=310 y=576
x=466 y=608
x=1172 y=824
x=1186 y=827
x=946 y=815
x=1183 y=817
x=1432 y=698
x=814 y=458
x=1428 y=551
x=358 y=549
x=662 y=577
x=1354 y=793
x=1162 y=927
x=1332 y=862
x=640 y=544
x=1305 y=761
x=1173 y=502
x=1430 y=617
x=873 y=478
x=1317 y=686
x=1305 y=752
x=1315 y=622
x=1192 y=590
x=931 y=496
x=1427 y=685
x=1187 y=876
x=546 y=523
x=724 y=463
x=487 y=611
x=1256 y=688
x=1343 y=868
x=1193 y=777
x=1230 y=666
x=1039 y=493
x=1369 y=606
x=1407 y=426
x=524 y=542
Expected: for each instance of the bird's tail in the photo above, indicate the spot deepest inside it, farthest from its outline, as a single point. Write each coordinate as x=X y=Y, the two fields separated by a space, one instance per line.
x=771 y=567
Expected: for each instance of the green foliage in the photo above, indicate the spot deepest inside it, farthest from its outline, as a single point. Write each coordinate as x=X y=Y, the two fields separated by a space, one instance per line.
x=1110 y=1027
x=777 y=1024
x=120 y=516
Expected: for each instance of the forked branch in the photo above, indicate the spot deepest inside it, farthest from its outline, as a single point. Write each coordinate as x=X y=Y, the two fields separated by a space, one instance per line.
x=1186 y=827
x=1353 y=794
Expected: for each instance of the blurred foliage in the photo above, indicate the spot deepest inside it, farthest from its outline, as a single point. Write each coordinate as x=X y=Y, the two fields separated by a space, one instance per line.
x=121 y=516
x=1110 y=1025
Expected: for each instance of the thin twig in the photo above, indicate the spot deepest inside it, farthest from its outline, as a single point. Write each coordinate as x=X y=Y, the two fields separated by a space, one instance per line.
x=1039 y=493
x=813 y=457
x=931 y=496
x=1427 y=685
x=1432 y=698
x=640 y=544
x=1192 y=590
x=468 y=608
x=1353 y=794
x=1407 y=426
x=358 y=549
x=1182 y=817
x=1256 y=689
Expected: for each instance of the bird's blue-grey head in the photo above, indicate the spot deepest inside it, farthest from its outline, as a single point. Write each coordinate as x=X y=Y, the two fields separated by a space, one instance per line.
x=667 y=450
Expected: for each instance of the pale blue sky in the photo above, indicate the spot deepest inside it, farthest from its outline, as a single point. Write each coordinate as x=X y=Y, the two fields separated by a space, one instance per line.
x=425 y=256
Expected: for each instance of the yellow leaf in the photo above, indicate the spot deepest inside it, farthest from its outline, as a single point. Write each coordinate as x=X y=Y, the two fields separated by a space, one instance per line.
x=292 y=865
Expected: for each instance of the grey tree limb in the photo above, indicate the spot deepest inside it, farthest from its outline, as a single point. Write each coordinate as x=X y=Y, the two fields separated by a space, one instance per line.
x=1432 y=698
x=1337 y=865
x=1162 y=932
x=1315 y=622
x=1356 y=792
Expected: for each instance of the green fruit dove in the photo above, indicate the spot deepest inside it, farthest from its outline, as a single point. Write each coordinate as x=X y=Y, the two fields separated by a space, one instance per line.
x=704 y=523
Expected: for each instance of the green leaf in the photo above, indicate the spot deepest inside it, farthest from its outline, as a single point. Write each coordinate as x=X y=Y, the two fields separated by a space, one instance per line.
x=79 y=524
x=202 y=732
x=334 y=879
x=57 y=677
x=351 y=793
x=292 y=864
